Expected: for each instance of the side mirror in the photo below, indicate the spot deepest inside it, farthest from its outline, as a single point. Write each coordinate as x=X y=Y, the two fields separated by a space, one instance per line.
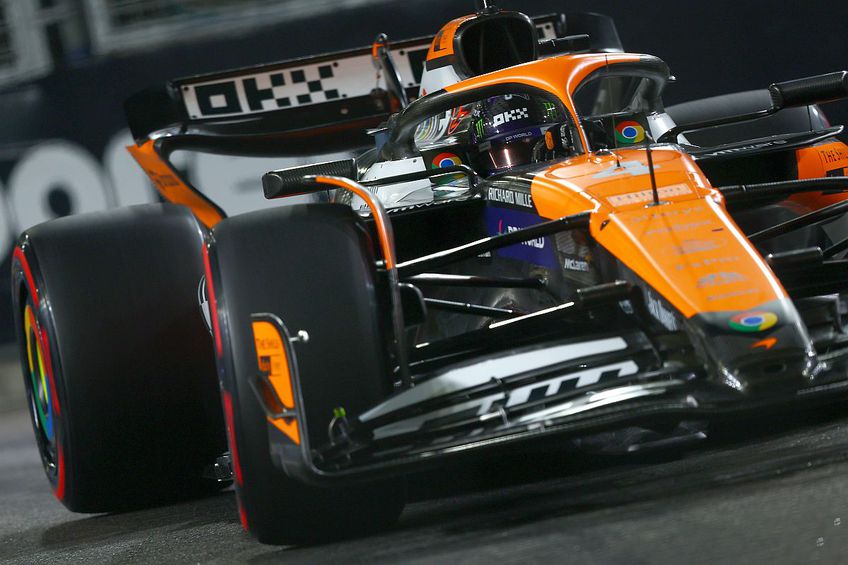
x=811 y=90
x=289 y=182
x=569 y=44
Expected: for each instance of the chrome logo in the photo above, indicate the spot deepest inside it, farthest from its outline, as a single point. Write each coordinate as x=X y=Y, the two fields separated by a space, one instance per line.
x=446 y=160
x=629 y=132
x=753 y=321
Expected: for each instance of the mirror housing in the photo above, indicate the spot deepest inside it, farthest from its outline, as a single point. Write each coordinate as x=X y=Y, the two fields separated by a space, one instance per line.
x=811 y=90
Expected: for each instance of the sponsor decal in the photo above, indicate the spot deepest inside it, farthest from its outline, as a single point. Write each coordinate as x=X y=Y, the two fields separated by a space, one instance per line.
x=647 y=195
x=629 y=132
x=679 y=227
x=443 y=160
x=508 y=196
x=662 y=314
x=653 y=214
x=262 y=92
x=733 y=294
x=280 y=87
x=746 y=148
x=510 y=116
x=768 y=343
x=537 y=251
x=690 y=246
x=719 y=279
x=755 y=321
x=708 y=262
x=538 y=243
x=632 y=168
x=531 y=133
x=832 y=156
x=493 y=404
x=570 y=264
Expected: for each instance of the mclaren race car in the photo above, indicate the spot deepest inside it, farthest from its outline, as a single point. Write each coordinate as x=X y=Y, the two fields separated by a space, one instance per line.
x=524 y=246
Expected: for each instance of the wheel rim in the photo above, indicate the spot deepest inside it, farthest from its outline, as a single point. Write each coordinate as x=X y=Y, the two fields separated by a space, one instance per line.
x=39 y=394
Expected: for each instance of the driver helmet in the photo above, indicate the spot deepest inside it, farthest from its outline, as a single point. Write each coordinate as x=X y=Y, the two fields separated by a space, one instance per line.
x=506 y=129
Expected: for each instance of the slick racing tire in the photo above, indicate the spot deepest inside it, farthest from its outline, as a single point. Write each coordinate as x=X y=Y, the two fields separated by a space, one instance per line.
x=118 y=364
x=312 y=266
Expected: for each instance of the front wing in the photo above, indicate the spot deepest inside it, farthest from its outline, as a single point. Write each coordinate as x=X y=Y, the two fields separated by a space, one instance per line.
x=558 y=390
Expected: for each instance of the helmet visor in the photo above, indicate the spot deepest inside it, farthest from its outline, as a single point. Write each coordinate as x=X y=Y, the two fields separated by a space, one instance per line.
x=496 y=157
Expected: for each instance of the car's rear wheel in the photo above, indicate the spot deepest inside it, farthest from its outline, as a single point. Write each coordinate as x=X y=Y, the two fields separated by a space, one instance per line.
x=312 y=267
x=118 y=366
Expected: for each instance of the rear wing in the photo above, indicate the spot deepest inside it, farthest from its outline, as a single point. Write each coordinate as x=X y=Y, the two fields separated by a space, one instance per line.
x=315 y=105
x=338 y=89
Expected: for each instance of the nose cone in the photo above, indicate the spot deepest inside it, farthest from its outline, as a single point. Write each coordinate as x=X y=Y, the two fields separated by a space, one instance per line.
x=762 y=351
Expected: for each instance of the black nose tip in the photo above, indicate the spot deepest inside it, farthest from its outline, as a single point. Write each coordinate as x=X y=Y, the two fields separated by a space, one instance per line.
x=773 y=372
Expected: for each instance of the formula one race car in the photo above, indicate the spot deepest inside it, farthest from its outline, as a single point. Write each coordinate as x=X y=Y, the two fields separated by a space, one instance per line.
x=533 y=249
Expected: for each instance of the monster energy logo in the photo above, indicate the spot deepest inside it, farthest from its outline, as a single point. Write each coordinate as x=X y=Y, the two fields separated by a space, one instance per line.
x=550 y=110
x=479 y=127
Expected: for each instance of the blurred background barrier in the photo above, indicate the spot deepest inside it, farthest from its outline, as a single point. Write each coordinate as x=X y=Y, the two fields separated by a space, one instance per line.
x=11 y=384
x=67 y=65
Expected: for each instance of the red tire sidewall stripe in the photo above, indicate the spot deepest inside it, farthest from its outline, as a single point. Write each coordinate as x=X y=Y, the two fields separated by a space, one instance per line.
x=231 y=432
x=231 y=435
x=19 y=255
x=213 y=306
x=226 y=396
x=59 y=489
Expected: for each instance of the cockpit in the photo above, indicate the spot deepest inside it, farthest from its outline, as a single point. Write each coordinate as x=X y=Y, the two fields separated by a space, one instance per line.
x=510 y=127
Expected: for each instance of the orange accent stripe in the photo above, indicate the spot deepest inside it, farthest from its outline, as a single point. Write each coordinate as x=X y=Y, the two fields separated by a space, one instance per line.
x=272 y=359
x=288 y=426
x=171 y=186
x=362 y=192
x=442 y=45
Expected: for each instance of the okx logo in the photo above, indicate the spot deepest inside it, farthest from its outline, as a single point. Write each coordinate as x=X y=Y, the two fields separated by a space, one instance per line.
x=261 y=92
x=510 y=116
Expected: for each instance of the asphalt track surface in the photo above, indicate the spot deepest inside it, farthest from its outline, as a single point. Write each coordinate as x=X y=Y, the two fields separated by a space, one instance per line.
x=770 y=493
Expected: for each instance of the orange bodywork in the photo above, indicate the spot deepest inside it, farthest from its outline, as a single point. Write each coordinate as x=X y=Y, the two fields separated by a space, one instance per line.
x=825 y=159
x=442 y=45
x=688 y=249
x=382 y=229
x=171 y=186
x=273 y=361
